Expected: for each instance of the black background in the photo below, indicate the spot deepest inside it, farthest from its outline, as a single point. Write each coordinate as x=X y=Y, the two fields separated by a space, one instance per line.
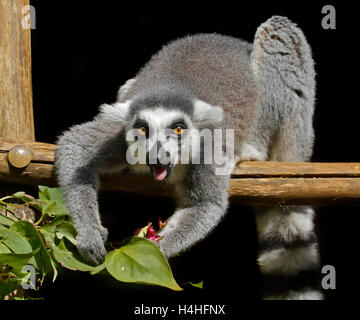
x=83 y=51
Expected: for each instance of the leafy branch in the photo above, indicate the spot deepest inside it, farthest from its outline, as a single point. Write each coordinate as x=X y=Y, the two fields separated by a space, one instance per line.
x=49 y=244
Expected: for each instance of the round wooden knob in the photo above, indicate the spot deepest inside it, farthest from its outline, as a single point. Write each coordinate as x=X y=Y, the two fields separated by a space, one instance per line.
x=19 y=156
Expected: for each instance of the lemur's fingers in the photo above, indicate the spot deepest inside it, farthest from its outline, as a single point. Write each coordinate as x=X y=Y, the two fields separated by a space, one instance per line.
x=91 y=247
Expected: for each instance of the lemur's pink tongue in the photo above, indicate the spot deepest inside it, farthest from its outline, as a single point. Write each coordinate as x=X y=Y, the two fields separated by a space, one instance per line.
x=159 y=172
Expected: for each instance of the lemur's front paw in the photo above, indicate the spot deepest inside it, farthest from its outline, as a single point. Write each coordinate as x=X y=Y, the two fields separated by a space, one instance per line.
x=90 y=245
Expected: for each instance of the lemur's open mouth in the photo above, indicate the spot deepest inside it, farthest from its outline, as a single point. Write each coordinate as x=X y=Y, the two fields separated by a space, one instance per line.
x=161 y=172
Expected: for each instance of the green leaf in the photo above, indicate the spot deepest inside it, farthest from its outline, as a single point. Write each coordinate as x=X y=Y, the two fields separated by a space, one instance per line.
x=50 y=241
x=49 y=207
x=16 y=242
x=141 y=261
x=17 y=260
x=51 y=227
x=55 y=270
x=67 y=230
x=196 y=285
x=53 y=195
x=8 y=286
x=26 y=298
x=43 y=193
x=42 y=258
x=6 y=221
x=66 y=254
x=4 y=248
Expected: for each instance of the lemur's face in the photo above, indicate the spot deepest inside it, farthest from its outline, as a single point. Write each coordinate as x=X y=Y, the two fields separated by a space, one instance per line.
x=162 y=139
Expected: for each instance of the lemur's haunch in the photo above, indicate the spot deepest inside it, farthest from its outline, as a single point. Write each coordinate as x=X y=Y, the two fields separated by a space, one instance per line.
x=264 y=92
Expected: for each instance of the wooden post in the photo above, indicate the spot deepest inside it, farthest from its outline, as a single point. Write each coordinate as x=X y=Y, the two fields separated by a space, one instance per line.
x=16 y=108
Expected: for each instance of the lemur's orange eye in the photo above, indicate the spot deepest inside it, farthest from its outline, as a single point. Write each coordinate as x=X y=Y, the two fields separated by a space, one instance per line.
x=142 y=131
x=178 y=131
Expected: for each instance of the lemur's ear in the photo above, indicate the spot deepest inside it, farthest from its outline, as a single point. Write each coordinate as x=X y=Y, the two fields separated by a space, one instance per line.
x=205 y=115
x=116 y=112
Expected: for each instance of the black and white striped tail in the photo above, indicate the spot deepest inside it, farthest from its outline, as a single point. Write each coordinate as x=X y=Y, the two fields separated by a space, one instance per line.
x=288 y=253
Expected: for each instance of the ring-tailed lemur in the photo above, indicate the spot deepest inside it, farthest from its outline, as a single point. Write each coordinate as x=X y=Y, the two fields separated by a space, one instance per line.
x=264 y=92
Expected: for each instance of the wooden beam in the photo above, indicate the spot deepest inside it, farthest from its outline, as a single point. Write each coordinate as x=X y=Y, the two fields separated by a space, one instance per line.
x=301 y=191
x=16 y=109
x=41 y=152
x=256 y=183
x=258 y=169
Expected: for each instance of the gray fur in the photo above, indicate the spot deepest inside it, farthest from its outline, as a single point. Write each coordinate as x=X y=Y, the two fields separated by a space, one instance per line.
x=284 y=69
x=266 y=92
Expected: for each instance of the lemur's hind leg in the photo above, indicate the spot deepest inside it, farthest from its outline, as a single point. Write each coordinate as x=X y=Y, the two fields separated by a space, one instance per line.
x=288 y=256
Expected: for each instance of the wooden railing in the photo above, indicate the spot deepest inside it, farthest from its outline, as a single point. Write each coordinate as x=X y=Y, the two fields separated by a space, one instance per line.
x=261 y=183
